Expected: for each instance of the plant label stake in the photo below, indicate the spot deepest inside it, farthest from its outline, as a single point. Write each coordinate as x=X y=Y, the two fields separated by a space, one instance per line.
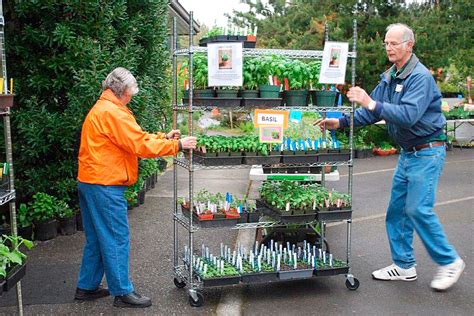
x=295 y=262
x=271 y=245
x=256 y=247
x=324 y=257
x=278 y=262
x=259 y=263
x=222 y=250
x=330 y=260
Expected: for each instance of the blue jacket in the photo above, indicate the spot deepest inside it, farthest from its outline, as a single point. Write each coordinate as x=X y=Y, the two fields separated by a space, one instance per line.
x=410 y=104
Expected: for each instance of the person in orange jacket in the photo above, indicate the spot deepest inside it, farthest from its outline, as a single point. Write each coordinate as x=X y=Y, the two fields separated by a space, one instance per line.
x=111 y=142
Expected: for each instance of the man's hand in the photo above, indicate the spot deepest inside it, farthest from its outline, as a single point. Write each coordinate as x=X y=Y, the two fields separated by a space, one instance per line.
x=189 y=142
x=174 y=134
x=328 y=123
x=358 y=95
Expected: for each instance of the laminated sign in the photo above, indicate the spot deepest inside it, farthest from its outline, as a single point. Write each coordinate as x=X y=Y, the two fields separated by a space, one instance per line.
x=271 y=124
x=333 y=65
x=224 y=63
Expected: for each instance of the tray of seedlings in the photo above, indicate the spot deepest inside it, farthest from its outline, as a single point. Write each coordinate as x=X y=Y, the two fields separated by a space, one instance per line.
x=334 y=206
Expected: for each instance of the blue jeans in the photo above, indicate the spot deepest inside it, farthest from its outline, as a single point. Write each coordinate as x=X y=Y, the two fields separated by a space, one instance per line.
x=411 y=208
x=107 y=245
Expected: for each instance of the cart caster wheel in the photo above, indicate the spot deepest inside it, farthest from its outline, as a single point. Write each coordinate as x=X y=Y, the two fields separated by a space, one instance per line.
x=179 y=284
x=352 y=287
x=199 y=302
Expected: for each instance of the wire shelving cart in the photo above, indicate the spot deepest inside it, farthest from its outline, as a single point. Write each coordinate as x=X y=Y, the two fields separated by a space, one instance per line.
x=184 y=274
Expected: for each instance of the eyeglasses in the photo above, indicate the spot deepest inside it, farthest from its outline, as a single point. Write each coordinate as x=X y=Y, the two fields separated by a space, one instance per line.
x=392 y=44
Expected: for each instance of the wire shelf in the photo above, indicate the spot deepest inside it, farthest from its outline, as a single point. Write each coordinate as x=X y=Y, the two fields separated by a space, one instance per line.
x=341 y=109
x=6 y=196
x=256 y=52
x=183 y=162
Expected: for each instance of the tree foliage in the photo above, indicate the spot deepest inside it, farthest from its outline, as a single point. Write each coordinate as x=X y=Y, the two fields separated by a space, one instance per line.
x=443 y=29
x=59 y=52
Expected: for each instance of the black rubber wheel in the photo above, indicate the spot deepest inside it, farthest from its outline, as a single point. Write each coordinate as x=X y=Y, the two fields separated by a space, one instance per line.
x=199 y=302
x=352 y=287
x=178 y=284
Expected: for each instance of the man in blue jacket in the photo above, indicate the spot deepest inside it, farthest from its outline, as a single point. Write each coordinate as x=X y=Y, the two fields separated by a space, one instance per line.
x=409 y=101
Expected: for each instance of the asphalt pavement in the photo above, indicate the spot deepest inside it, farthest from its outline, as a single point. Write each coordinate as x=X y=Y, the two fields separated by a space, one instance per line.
x=49 y=284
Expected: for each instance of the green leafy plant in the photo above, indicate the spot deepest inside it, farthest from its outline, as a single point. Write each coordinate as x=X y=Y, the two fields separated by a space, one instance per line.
x=44 y=207
x=64 y=211
x=298 y=74
x=10 y=253
x=250 y=69
x=199 y=70
x=23 y=216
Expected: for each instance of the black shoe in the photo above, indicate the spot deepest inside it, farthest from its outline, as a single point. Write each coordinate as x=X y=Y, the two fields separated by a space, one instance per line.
x=133 y=300
x=89 y=295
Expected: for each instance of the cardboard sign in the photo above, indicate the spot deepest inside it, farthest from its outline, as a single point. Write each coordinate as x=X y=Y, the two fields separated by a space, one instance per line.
x=271 y=117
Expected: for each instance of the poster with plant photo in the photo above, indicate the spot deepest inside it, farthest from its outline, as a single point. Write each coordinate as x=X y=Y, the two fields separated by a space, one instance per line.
x=333 y=65
x=224 y=62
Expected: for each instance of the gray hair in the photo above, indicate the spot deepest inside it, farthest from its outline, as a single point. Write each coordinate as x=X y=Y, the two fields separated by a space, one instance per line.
x=119 y=80
x=408 y=35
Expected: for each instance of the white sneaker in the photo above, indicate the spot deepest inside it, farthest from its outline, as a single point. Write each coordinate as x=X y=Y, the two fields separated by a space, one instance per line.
x=448 y=275
x=395 y=273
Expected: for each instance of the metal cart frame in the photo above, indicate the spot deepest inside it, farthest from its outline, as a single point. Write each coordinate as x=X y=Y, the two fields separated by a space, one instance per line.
x=185 y=276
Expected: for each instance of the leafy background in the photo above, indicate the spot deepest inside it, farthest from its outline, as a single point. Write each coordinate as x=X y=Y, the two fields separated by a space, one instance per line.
x=58 y=53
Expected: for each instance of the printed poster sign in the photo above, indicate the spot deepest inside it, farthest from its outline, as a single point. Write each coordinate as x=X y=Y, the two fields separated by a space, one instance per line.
x=270 y=117
x=333 y=65
x=224 y=62
x=271 y=134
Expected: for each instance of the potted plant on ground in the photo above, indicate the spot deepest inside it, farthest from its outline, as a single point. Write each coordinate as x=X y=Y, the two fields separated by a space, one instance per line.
x=44 y=210
x=384 y=149
x=24 y=222
x=67 y=219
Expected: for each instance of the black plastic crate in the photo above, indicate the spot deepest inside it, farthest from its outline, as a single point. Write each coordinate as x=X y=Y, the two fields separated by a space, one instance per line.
x=261 y=102
x=334 y=214
x=260 y=277
x=220 y=281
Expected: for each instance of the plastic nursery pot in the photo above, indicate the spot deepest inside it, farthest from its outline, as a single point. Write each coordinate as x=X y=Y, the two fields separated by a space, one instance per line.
x=206 y=216
x=141 y=196
x=225 y=94
x=79 y=222
x=203 y=93
x=13 y=276
x=269 y=91
x=232 y=213
x=6 y=101
x=249 y=93
x=26 y=232
x=324 y=98
x=68 y=226
x=296 y=97
x=46 y=230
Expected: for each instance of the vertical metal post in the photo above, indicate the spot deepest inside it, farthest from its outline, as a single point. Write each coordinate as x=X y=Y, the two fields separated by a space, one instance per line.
x=175 y=169
x=8 y=147
x=191 y=171
x=351 y=135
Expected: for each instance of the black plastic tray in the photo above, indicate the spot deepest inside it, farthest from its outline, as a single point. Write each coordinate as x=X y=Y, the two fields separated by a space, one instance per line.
x=215 y=102
x=15 y=275
x=218 y=161
x=260 y=277
x=334 y=214
x=295 y=274
x=296 y=218
x=261 y=102
x=331 y=271
x=300 y=159
x=220 y=281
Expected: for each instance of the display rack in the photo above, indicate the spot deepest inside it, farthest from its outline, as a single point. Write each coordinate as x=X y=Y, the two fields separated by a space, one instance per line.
x=183 y=273
x=7 y=195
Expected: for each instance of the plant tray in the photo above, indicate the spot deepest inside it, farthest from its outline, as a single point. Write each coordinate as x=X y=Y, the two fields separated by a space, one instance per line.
x=335 y=155
x=331 y=271
x=363 y=153
x=14 y=276
x=334 y=214
x=215 y=222
x=261 y=102
x=253 y=159
x=301 y=159
x=260 y=277
x=295 y=274
x=219 y=281
x=218 y=161
x=285 y=218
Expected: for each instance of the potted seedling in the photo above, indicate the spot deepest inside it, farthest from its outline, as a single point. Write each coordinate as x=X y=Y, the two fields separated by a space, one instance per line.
x=267 y=70
x=250 y=83
x=12 y=261
x=67 y=219
x=298 y=76
x=200 y=70
x=43 y=211
x=132 y=197
x=384 y=149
